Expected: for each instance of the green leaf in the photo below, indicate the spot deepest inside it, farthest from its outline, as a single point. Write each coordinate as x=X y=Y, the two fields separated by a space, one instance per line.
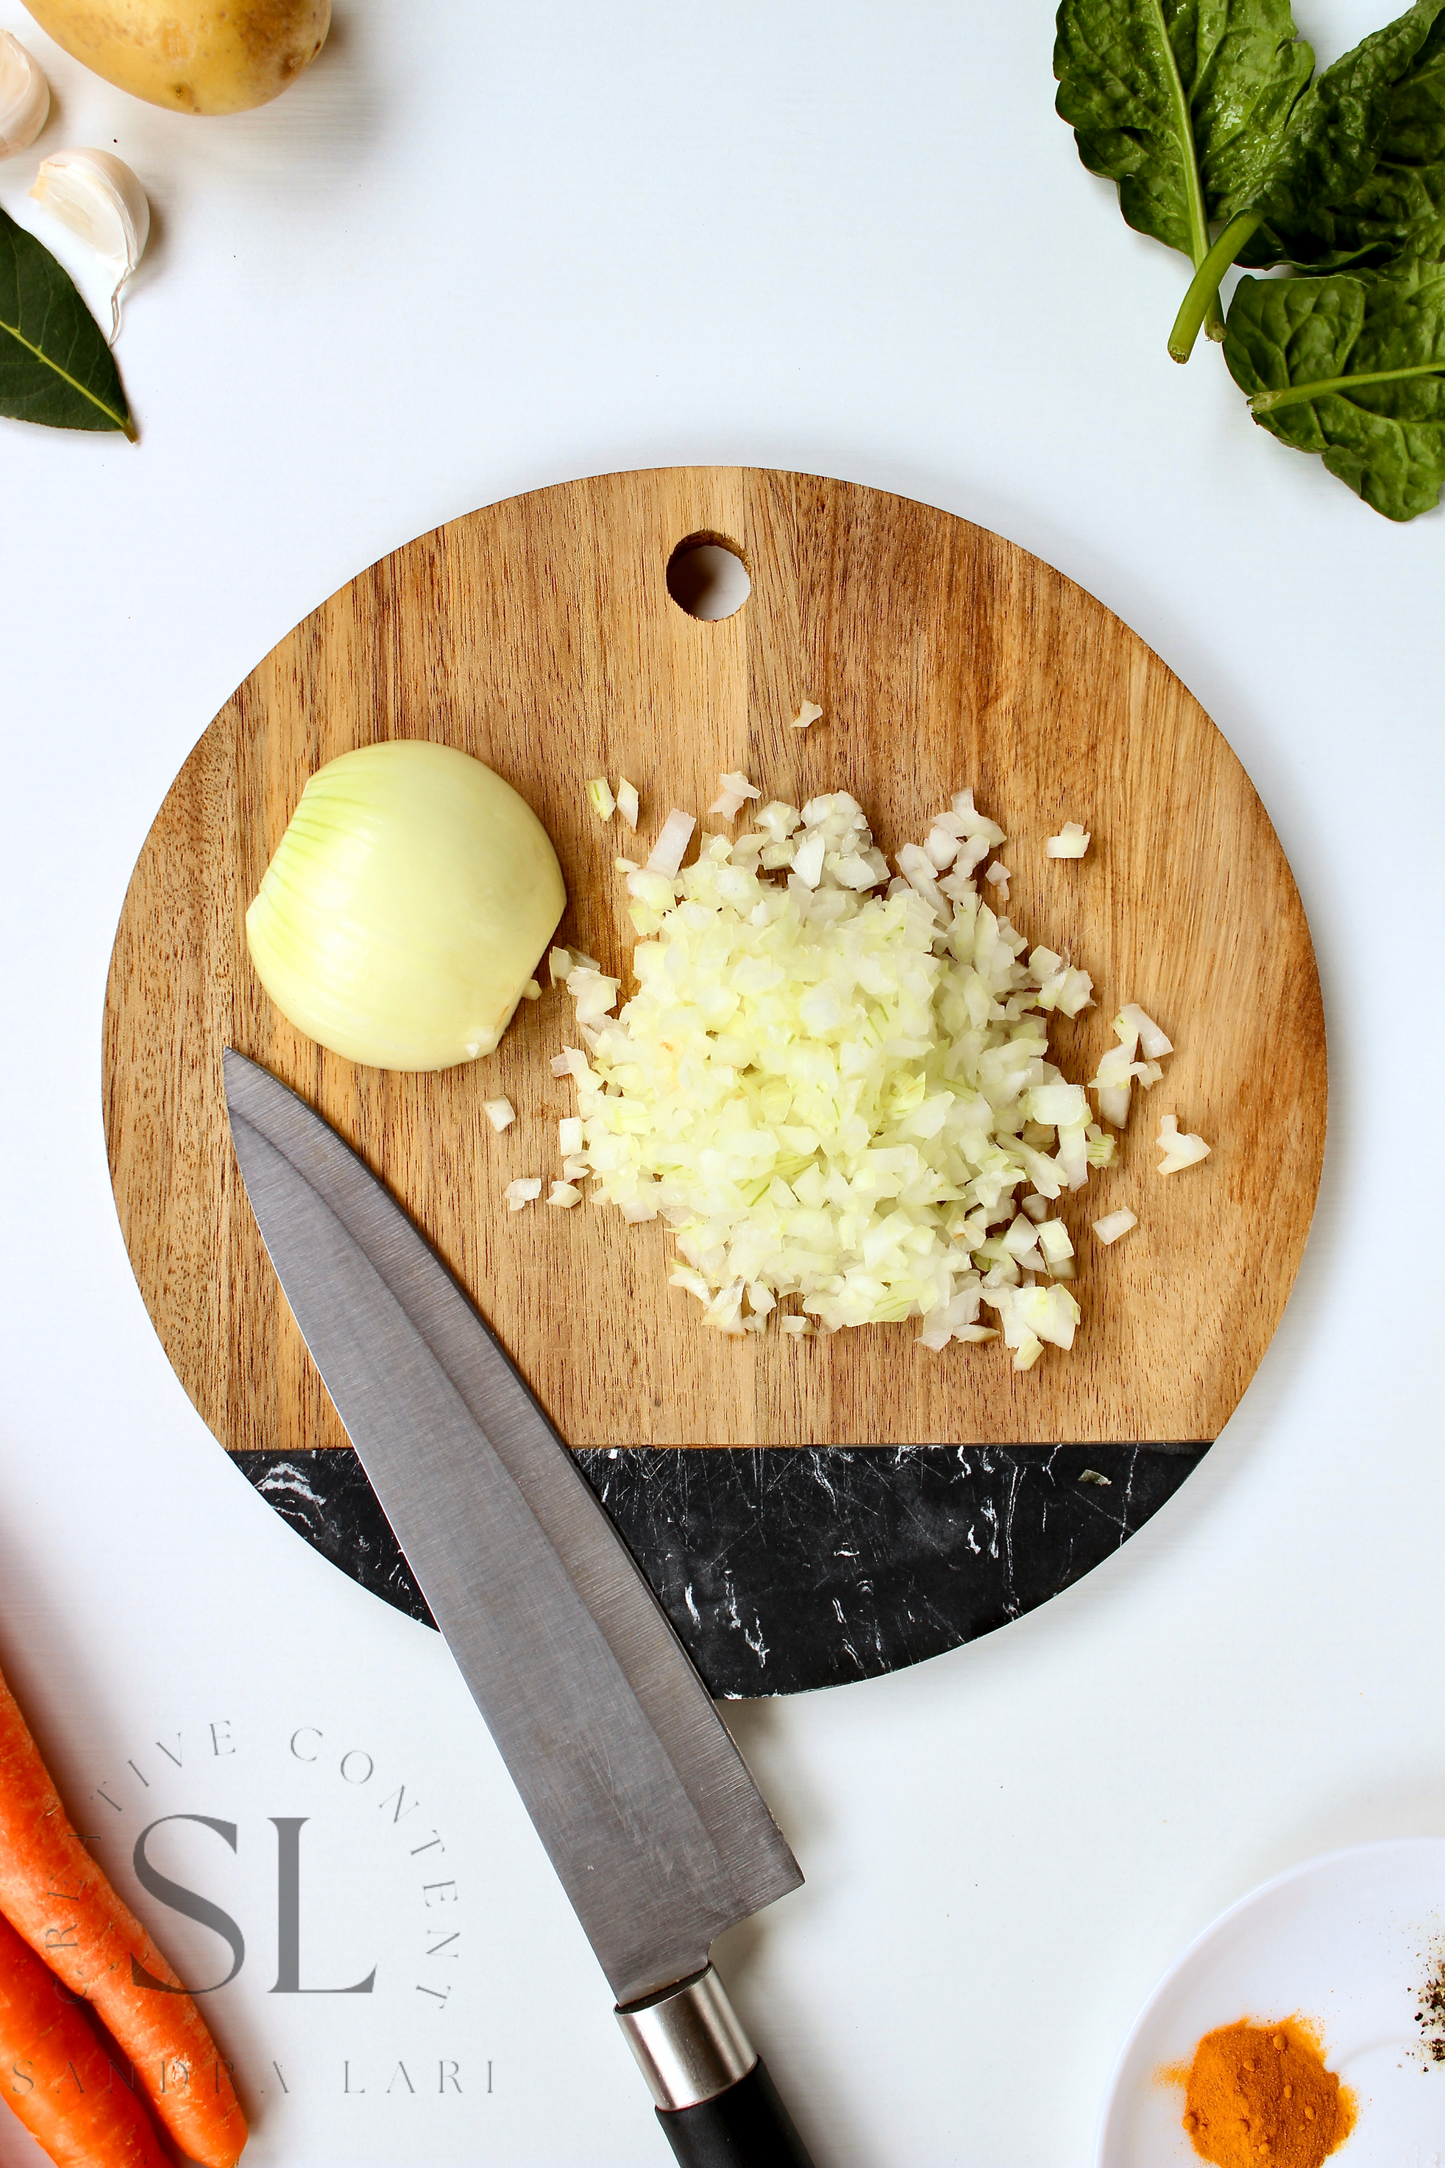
x=55 y=366
x=1351 y=366
x=1336 y=135
x=1327 y=150
x=1399 y=209
x=1178 y=101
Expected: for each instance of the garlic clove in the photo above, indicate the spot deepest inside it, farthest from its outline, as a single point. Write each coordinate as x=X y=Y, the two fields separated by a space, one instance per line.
x=98 y=197
x=24 y=97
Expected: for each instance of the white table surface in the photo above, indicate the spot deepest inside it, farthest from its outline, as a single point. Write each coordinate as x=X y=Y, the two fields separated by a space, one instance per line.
x=481 y=248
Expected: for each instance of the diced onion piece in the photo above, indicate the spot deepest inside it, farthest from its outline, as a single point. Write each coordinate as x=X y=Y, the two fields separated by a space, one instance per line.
x=801 y=1328
x=532 y=991
x=735 y=789
x=808 y=713
x=559 y=962
x=594 y=993
x=941 y=846
x=1180 y=1150
x=569 y=1134
x=920 y=874
x=1054 y=1242
x=808 y=858
x=1151 y=1038
x=778 y=820
x=1114 y=1224
x=523 y=1191
x=1020 y=1241
x=997 y=877
x=500 y=1113
x=600 y=798
x=672 y=842
x=974 y=824
x=627 y=804
x=565 y=1194
x=1071 y=842
x=1114 y=1103
x=1100 y=1148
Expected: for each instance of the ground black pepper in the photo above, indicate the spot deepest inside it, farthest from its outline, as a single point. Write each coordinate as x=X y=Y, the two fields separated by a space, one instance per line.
x=1430 y=2016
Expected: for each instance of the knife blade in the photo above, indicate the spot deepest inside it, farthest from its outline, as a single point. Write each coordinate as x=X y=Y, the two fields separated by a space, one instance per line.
x=644 y=1804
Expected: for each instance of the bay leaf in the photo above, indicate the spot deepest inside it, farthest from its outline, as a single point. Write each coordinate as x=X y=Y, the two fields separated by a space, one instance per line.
x=55 y=366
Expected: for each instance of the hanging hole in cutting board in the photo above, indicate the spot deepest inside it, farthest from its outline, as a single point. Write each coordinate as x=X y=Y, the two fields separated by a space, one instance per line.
x=707 y=576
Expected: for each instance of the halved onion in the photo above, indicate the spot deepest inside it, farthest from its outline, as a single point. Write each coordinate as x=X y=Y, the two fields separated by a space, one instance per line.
x=406 y=907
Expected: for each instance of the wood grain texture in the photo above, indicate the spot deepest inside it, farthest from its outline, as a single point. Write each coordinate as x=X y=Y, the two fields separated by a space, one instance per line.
x=539 y=635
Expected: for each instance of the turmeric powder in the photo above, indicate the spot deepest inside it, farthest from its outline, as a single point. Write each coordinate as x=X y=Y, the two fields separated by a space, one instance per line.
x=1259 y=2096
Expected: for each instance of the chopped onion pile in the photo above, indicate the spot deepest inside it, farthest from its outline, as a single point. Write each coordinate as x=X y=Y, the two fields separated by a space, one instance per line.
x=836 y=1097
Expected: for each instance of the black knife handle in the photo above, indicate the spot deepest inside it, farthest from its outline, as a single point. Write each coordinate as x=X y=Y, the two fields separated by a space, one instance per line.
x=714 y=2098
x=745 y=2127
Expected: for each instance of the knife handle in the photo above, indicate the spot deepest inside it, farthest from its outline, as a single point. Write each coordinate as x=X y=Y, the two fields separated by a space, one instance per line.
x=745 y=2127
x=715 y=2100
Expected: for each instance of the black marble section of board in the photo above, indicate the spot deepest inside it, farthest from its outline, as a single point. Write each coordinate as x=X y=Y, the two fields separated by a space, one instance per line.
x=790 y=1567
x=326 y=1496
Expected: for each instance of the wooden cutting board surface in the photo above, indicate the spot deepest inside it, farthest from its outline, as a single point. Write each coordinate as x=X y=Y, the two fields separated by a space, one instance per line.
x=540 y=636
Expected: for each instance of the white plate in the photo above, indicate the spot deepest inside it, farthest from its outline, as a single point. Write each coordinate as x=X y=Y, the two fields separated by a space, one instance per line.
x=1345 y=1940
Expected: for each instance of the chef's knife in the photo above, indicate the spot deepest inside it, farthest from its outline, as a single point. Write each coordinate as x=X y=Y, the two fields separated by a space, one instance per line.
x=645 y=1806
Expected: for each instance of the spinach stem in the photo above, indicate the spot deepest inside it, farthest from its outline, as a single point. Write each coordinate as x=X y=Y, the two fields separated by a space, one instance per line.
x=1265 y=402
x=1202 y=299
x=1193 y=192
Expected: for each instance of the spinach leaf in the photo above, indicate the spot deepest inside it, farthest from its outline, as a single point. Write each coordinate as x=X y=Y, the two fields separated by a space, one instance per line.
x=55 y=366
x=1328 y=149
x=1400 y=208
x=1340 y=129
x=1179 y=102
x=1351 y=366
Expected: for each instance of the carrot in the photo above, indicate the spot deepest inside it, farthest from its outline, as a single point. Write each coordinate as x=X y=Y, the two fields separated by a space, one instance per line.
x=53 y=1893
x=58 y=2078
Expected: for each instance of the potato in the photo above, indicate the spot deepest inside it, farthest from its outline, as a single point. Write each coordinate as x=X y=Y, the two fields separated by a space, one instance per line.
x=196 y=56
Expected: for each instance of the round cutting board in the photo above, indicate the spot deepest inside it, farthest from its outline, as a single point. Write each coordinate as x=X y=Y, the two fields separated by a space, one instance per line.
x=540 y=635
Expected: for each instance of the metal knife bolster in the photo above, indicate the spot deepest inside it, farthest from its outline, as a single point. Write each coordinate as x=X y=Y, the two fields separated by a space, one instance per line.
x=716 y=2103
x=689 y=2042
